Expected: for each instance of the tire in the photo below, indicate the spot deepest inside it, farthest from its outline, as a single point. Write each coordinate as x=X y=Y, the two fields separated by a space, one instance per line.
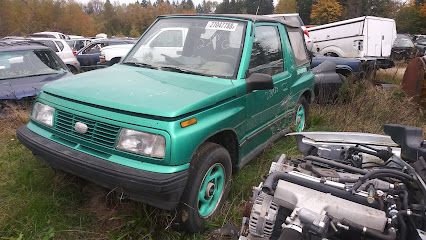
x=72 y=69
x=301 y=115
x=114 y=61
x=210 y=160
x=331 y=54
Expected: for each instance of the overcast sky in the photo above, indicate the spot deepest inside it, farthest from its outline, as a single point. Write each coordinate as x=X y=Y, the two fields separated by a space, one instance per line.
x=196 y=2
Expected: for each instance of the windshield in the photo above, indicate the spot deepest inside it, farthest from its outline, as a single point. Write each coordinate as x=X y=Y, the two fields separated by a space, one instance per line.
x=27 y=63
x=421 y=40
x=210 y=47
x=403 y=41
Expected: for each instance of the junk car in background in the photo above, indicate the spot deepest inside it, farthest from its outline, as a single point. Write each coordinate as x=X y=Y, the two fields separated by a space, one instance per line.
x=25 y=67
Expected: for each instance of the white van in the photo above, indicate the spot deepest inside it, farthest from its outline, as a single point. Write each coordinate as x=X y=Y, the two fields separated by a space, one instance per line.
x=364 y=37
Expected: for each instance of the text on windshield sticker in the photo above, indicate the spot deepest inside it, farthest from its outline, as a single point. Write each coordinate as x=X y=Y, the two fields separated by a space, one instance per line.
x=224 y=26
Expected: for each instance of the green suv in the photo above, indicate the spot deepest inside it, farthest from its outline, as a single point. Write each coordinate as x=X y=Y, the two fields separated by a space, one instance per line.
x=195 y=99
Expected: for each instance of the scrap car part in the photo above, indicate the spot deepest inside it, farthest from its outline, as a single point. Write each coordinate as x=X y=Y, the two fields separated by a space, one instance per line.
x=263 y=215
x=414 y=80
x=337 y=195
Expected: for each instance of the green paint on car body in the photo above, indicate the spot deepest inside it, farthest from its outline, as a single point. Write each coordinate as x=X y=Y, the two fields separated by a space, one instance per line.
x=300 y=118
x=156 y=101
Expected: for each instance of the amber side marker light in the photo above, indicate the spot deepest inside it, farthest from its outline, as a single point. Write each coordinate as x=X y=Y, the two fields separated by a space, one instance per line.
x=188 y=122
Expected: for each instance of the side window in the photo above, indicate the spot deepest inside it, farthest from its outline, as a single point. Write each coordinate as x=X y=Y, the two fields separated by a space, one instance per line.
x=297 y=42
x=60 y=45
x=169 y=38
x=48 y=59
x=50 y=44
x=95 y=48
x=267 y=53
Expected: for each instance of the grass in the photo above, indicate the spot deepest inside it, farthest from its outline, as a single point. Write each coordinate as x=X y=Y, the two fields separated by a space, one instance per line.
x=391 y=75
x=38 y=203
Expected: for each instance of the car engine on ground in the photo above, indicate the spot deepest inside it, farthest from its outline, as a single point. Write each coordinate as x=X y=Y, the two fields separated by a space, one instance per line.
x=347 y=186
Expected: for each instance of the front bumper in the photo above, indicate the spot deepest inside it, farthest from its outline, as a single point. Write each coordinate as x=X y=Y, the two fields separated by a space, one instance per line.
x=161 y=190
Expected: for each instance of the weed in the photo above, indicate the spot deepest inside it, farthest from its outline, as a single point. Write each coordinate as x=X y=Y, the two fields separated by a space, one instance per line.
x=39 y=203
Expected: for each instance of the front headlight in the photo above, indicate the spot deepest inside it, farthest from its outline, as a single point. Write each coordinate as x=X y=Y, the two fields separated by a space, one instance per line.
x=143 y=143
x=43 y=113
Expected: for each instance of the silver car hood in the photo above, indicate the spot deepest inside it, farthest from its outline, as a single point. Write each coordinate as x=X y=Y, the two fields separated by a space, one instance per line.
x=347 y=138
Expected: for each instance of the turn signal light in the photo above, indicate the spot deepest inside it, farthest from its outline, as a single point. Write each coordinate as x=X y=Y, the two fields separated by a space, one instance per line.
x=188 y=122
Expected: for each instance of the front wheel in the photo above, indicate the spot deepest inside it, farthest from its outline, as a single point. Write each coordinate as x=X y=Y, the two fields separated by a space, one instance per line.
x=302 y=113
x=207 y=186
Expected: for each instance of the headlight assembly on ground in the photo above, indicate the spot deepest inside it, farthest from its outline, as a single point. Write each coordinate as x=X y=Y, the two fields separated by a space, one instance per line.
x=143 y=143
x=43 y=113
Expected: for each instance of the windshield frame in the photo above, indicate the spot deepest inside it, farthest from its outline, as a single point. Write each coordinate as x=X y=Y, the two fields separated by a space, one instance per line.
x=53 y=54
x=237 y=66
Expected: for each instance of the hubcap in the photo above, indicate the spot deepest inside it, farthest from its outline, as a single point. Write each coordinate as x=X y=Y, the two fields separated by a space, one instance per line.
x=300 y=118
x=211 y=190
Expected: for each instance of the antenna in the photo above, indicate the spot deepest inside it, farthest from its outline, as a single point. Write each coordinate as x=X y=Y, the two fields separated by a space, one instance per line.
x=257 y=10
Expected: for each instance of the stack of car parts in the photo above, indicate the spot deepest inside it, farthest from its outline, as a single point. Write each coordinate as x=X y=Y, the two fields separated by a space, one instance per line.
x=414 y=80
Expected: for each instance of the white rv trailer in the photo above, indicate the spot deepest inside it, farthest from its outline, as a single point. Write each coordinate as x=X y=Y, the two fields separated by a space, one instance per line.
x=364 y=38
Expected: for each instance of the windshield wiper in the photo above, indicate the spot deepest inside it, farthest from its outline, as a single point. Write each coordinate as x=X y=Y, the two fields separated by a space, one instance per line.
x=182 y=70
x=138 y=64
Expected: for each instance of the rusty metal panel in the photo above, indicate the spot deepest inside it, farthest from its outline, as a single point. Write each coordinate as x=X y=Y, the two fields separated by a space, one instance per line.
x=414 y=80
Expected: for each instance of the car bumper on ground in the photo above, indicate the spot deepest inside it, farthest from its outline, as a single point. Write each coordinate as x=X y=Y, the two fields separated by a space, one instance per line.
x=157 y=189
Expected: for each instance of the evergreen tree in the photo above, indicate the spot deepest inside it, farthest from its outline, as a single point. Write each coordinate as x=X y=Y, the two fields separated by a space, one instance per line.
x=108 y=18
x=304 y=8
x=223 y=7
x=182 y=4
x=144 y=3
x=206 y=7
x=259 y=7
x=233 y=6
x=251 y=6
x=199 y=9
x=189 y=5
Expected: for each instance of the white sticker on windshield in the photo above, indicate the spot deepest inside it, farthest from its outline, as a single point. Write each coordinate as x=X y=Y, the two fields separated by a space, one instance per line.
x=224 y=26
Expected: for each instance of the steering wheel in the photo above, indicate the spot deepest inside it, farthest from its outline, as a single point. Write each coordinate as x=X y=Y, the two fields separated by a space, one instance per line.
x=170 y=59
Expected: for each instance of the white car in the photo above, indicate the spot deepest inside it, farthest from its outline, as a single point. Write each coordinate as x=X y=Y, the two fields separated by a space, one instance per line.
x=112 y=54
x=63 y=50
x=166 y=41
x=57 y=35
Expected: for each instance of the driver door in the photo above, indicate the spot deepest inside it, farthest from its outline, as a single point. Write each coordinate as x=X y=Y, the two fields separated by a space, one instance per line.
x=89 y=57
x=266 y=108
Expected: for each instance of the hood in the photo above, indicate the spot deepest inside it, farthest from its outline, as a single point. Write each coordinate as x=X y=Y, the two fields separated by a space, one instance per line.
x=144 y=91
x=119 y=46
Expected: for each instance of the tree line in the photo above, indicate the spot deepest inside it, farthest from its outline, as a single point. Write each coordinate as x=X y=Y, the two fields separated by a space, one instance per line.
x=21 y=17
x=410 y=15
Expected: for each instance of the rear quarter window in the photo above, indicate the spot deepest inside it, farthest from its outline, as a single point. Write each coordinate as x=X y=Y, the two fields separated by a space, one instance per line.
x=60 y=45
x=50 y=44
x=298 y=45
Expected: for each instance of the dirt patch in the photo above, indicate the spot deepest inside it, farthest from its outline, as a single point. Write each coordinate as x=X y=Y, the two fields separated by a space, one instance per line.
x=12 y=116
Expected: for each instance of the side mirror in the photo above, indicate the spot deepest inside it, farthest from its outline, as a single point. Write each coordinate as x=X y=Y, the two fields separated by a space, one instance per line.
x=259 y=81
